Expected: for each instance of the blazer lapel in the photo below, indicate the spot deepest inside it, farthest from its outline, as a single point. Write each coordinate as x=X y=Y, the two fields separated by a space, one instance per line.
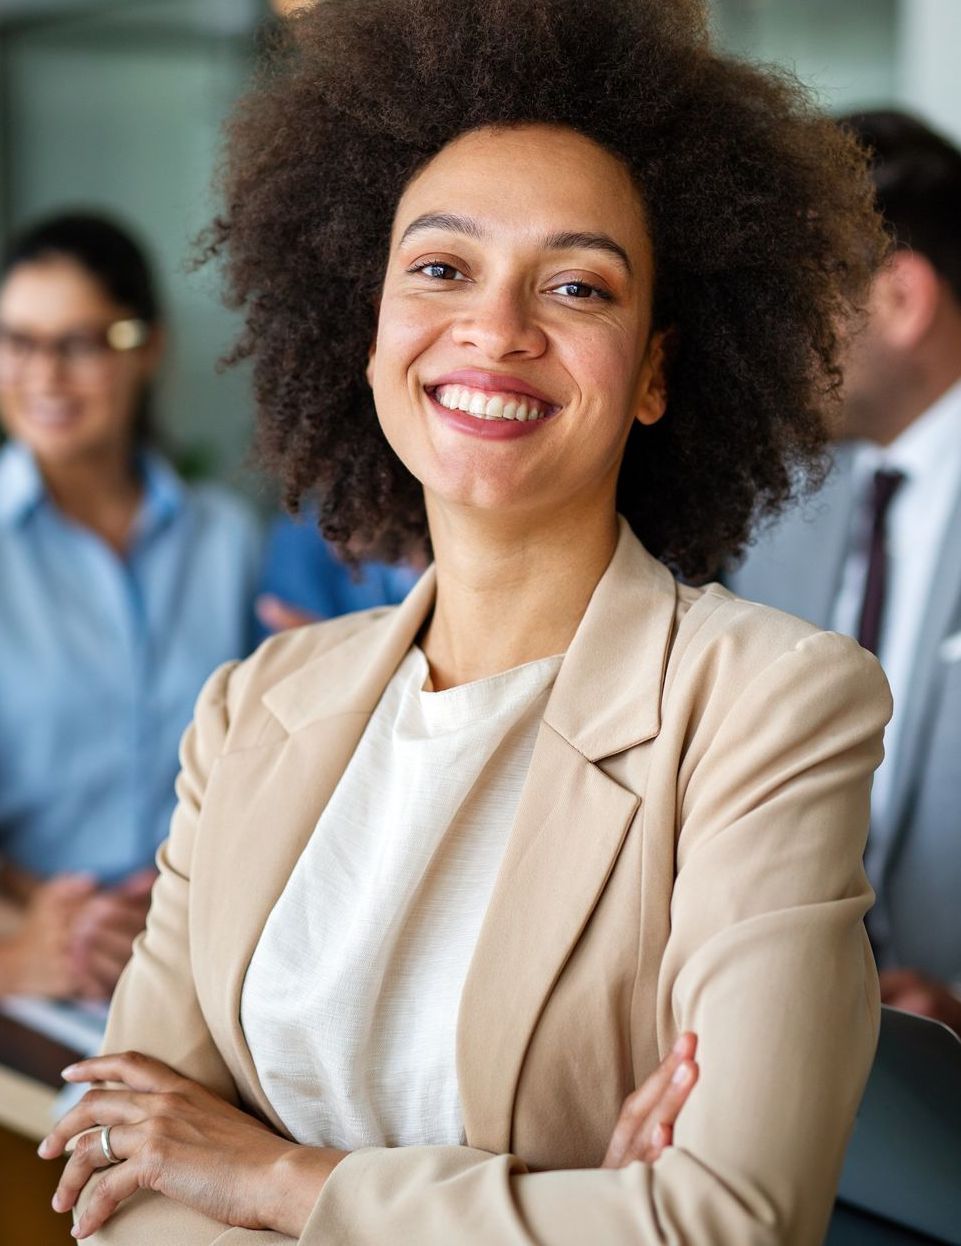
x=570 y=825
x=267 y=803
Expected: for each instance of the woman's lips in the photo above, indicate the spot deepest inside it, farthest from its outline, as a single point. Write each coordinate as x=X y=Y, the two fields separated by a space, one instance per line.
x=51 y=414
x=493 y=429
x=491 y=383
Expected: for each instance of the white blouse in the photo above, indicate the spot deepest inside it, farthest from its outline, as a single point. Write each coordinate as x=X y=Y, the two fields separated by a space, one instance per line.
x=350 y=1001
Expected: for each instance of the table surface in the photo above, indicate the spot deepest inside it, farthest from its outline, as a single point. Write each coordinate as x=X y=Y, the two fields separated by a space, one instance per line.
x=30 y=1065
x=34 y=1055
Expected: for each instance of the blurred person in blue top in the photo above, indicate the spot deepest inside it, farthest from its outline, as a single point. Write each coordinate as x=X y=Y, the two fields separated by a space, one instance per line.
x=123 y=587
x=304 y=579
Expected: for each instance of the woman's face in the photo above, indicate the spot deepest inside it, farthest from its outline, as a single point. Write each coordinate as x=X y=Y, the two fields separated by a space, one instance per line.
x=62 y=390
x=519 y=284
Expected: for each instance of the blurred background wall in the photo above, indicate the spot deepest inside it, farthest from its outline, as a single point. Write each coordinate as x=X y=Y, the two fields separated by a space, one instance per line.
x=118 y=104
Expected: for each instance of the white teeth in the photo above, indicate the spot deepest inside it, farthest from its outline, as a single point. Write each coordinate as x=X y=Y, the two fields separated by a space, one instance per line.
x=487 y=407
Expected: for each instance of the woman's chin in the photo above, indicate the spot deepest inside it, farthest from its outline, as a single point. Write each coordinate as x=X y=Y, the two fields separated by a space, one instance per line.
x=61 y=446
x=488 y=508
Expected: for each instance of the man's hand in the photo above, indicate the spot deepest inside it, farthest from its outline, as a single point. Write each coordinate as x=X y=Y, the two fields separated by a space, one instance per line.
x=104 y=929
x=646 y=1124
x=913 y=992
x=37 y=959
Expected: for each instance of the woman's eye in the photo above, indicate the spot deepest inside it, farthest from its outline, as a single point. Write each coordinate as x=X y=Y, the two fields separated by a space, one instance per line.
x=438 y=270
x=580 y=290
x=80 y=347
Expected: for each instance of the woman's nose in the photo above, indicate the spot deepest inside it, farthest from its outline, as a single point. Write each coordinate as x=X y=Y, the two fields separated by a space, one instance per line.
x=45 y=367
x=500 y=322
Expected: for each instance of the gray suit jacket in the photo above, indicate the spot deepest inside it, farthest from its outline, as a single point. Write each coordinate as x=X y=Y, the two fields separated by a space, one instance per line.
x=914 y=858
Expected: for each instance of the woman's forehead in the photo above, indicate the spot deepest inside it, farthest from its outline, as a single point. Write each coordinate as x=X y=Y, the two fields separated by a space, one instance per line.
x=530 y=181
x=52 y=291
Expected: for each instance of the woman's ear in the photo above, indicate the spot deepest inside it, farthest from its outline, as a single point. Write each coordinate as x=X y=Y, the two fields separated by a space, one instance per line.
x=652 y=396
x=369 y=371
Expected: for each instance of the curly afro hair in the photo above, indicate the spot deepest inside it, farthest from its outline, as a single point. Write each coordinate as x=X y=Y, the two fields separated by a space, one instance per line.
x=760 y=208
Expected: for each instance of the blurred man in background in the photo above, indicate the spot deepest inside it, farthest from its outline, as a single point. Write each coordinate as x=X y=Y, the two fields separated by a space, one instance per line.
x=878 y=555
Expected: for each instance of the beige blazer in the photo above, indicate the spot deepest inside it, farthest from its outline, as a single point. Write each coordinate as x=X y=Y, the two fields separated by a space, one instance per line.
x=686 y=855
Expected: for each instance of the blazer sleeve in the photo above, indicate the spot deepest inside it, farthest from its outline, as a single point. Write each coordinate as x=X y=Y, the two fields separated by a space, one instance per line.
x=155 y=994
x=767 y=961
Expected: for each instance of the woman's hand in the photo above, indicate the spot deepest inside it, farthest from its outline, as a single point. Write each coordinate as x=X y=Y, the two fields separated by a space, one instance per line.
x=645 y=1126
x=38 y=959
x=104 y=930
x=171 y=1135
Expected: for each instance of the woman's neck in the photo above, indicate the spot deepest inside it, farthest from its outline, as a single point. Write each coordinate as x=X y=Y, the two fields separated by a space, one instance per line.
x=101 y=491
x=509 y=592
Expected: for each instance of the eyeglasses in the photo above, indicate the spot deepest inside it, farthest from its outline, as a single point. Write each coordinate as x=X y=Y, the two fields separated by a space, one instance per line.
x=83 y=354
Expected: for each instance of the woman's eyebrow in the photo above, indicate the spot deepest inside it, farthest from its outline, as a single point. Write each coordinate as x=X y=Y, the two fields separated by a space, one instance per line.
x=448 y=221
x=565 y=240
x=577 y=241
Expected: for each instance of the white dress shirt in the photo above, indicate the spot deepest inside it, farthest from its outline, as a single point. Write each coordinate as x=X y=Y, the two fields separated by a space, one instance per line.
x=928 y=452
x=351 y=999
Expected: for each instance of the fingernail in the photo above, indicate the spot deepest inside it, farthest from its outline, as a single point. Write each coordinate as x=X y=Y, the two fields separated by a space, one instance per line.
x=682 y=1075
x=43 y=1147
x=69 y=1070
x=57 y=1201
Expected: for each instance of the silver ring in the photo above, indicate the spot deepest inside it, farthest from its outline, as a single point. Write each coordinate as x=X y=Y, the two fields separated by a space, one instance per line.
x=105 y=1146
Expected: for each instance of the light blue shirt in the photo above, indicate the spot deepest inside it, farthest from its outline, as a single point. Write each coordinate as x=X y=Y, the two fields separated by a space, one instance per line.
x=101 y=659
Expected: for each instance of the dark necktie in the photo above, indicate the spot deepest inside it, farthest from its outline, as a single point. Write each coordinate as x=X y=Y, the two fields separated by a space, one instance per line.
x=885 y=486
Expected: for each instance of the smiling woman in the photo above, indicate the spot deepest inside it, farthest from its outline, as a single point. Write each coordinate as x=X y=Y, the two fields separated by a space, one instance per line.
x=529 y=911
x=758 y=209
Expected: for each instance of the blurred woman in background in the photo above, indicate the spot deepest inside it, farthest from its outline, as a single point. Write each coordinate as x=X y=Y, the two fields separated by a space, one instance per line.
x=123 y=588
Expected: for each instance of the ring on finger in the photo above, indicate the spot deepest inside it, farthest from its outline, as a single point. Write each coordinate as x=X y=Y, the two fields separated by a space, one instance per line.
x=105 y=1146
